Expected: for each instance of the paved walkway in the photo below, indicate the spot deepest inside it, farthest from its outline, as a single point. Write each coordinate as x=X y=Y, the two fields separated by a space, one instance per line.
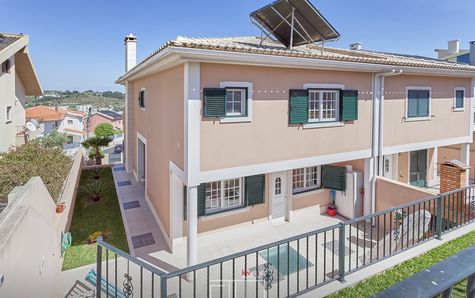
x=143 y=233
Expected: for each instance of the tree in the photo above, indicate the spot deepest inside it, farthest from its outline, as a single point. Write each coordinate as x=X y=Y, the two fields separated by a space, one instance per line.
x=95 y=143
x=104 y=130
x=54 y=139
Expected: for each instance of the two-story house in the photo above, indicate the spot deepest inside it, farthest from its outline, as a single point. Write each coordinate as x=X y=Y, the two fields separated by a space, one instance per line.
x=234 y=130
x=18 y=79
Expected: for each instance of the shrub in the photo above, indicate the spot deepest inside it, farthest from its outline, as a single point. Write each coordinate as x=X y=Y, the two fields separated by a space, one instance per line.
x=18 y=165
x=54 y=139
x=94 y=190
x=104 y=130
x=93 y=237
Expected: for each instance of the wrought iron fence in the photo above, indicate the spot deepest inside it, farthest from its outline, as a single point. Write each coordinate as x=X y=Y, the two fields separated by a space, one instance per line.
x=298 y=264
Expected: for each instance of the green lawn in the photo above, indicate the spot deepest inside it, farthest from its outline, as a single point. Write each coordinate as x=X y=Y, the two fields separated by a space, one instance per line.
x=376 y=284
x=90 y=217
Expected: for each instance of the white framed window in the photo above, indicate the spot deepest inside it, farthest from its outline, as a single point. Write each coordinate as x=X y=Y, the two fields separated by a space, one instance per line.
x=247 y=108
x=418 y=103
x=236 y=102
x=323 y=105
x=278 y=186
x=225 y=194
x=142 y=99
x=9 y=114
x=459 y=99
x=305 y=179
x=70 y=121
x=6 y=66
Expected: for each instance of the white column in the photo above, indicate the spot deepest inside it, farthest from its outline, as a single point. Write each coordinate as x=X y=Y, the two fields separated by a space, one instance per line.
x=465 y=158
x=368 y=185
x=192 y=218
x=435 y=158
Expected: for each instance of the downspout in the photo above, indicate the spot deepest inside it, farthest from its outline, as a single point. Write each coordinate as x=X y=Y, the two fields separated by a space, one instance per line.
x=377 y=136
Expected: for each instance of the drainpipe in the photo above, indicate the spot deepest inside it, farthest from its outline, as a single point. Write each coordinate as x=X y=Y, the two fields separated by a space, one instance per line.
x=377 y=136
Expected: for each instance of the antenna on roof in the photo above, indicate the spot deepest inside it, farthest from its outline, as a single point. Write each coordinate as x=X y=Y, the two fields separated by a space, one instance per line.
x=293 y=23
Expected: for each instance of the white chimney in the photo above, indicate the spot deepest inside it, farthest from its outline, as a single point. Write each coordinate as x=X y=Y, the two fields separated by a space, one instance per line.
x=472 y=53
x=356 y=46
x=454 y=46
x=130 y=43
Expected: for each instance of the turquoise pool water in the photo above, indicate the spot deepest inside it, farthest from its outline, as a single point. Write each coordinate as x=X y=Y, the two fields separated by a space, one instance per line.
x=285 y=259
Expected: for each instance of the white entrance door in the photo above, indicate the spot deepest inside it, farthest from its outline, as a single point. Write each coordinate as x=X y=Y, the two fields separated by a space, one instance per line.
x=278 y=195
x=388 y=166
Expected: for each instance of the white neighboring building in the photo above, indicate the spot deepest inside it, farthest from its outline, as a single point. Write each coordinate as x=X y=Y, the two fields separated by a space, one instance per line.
x=74 y=125
x=18 y=79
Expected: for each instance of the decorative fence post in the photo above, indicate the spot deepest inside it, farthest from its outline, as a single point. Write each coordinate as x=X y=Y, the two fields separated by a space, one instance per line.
x=438 y=225
x=99 y=269
x=341 y=252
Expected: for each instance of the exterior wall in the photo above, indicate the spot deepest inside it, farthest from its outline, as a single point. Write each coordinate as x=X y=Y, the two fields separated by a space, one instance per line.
x=30 y=219
x=77 y=123
x=454 y=152
x=162 y=125
x=269 y=127
x=444 y=124
x=319 y=198
x=97 y=119
x=12 y=94
x=391 y=193
x=403 y=167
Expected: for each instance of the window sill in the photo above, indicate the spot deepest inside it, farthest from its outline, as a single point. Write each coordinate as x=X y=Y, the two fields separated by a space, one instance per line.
x=308 y=193
x=225 y=212
x=458 y=109
x=8 y=122
x=413 y=119
x=235 y=119
x=142 y=108
x=323 y=124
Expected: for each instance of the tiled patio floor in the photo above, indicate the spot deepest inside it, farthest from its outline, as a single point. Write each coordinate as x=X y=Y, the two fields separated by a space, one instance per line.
x=143 y=233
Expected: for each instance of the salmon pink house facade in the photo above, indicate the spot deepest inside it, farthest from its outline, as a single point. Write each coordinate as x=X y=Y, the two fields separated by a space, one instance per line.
x=230 y=131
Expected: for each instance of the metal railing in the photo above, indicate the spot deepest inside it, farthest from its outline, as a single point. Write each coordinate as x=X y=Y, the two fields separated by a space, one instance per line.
x=439 y=278
x=298 y=264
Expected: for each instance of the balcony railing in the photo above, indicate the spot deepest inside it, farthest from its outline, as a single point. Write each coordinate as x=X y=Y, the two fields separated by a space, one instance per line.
x=294 y=265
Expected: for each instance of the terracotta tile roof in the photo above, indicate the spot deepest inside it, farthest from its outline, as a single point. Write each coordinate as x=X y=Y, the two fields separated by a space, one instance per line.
x=251 y=45
x=47 y=113
x=44 y=113
x=7 y=39
x=75 y=131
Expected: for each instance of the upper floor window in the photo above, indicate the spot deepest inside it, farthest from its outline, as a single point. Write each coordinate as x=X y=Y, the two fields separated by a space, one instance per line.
x=70 y=121
x=225 y=102
x=323 y=105
x=6 y=66
x=223 y=195
x=9 y=114
x=418 y=103
x=305 y=179
x=142 y=99
x=235 y=102
x=459 y=98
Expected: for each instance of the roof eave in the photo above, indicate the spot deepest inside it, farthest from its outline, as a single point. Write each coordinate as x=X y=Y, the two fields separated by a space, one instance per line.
x=27 y=73
x=174 y=54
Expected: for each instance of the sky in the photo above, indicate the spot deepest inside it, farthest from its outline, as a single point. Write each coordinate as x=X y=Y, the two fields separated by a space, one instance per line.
x=78 y=44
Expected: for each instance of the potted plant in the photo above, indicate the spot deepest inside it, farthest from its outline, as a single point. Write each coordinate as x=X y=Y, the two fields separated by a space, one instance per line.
x=331 y=209
x=60 y=207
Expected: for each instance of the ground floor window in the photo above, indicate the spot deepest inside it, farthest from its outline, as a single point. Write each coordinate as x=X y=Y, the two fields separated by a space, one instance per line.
x=305 y=179
x=223 y=194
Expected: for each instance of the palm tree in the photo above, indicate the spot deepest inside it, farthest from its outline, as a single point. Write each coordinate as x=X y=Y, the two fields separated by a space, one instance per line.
x=96 y=143
x=94 y=190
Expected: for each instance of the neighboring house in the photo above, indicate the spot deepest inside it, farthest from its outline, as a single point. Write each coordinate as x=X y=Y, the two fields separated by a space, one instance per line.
x=18 y=79
x=63 y=120
x=234 y=131
x=106 y=116
x=454 y=53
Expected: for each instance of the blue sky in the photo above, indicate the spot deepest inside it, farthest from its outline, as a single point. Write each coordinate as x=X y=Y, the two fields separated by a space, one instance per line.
x=78 y=44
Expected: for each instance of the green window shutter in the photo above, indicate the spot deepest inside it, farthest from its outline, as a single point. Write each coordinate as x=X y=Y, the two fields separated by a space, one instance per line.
x=412 y=103
x=201 y=199
x=298 y=106
x=459 y=97
x=214 y=102
x=185 y=193
x=255 y=189
x=334 y=177
x=349 y=105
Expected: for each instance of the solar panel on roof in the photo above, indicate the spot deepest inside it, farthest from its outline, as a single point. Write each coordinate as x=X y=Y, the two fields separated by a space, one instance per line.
x=294 y=23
